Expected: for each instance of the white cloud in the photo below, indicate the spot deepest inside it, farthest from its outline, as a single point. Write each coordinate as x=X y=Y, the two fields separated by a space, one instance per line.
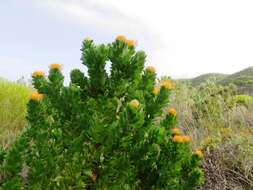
x=182 y=38
x=198 y=36
x=106 y=17
x=97 y=14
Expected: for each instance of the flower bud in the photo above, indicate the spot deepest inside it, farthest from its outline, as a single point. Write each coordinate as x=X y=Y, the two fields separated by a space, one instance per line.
x=177 y=138
x=199 y=153
x=134 y=104
x=172 y=111
x=176 y=131
x=167 y=84
x=186 y=139
x=131 y=43
x=156 y=90
x=150 y=69
x=121 y=38
x=55 y=66
x=38 y=74
x=35 y=96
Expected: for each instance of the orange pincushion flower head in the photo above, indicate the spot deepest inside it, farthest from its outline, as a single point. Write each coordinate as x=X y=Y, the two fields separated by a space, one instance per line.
x=176 y=131
x=38 y=74
x=150 y=69
x=199 y=153
x=131 y=43
x=156 y=90
x=35 y=96
x=177 y=138
x=167 y=84
x=172 y=111
x=134 y=104
x=121 y=38
x=55 y=66
x=186 y=139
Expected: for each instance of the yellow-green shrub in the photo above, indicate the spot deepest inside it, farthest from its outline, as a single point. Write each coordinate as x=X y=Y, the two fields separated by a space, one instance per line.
x=13 y=100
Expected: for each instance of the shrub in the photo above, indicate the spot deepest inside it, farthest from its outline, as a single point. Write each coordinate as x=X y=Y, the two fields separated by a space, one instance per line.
x=222 y=128
x=244 y=100
x=212 y=99
x=228 y=162
x=101 y=131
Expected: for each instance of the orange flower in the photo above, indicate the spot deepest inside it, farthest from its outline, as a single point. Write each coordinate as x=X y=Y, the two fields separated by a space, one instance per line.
x=38 y=74
x=156 y=90
x=121 y=38
x=175 y=131
x=150 y=69
x=36 y=96
x=172 y=111
x=134 y=104
x=131 y=43
x=167 y=84
x=55 y=66
x=186 y=139
x=199 y=153
x=177 y=138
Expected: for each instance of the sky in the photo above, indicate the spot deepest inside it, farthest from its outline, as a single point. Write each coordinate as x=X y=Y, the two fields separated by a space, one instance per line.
x=181 y=38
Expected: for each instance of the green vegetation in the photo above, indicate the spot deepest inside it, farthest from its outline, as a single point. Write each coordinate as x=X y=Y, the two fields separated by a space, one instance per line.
x=103 y=131
x=222 y=124
x=205 y=77
x=245 y=100
x=242 y=79
x=13 y=100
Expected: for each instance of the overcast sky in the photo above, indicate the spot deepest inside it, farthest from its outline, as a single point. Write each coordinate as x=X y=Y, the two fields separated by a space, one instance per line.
x=182 y=38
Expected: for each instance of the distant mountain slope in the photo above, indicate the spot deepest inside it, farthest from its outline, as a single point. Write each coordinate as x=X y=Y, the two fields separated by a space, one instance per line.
x=202 y=78
x=242 y=79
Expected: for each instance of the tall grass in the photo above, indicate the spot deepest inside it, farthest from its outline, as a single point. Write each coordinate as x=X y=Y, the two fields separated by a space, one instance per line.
x=13 y=99
x=220 y=123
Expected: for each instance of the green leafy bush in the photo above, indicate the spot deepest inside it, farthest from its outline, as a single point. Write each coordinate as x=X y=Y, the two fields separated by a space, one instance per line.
x=244 y=100
x=101 y=131
x=212 y=99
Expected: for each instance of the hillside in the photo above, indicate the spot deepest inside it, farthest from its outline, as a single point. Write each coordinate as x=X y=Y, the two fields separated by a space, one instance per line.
x=214 y=76
x=242 y=79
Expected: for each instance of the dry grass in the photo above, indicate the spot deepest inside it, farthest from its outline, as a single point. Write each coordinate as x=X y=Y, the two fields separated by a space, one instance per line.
x=13 y=99
x=223 y=132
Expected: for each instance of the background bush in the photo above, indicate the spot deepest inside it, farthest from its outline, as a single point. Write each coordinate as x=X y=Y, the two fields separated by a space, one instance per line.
x=221 y=123
x=13 y=100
